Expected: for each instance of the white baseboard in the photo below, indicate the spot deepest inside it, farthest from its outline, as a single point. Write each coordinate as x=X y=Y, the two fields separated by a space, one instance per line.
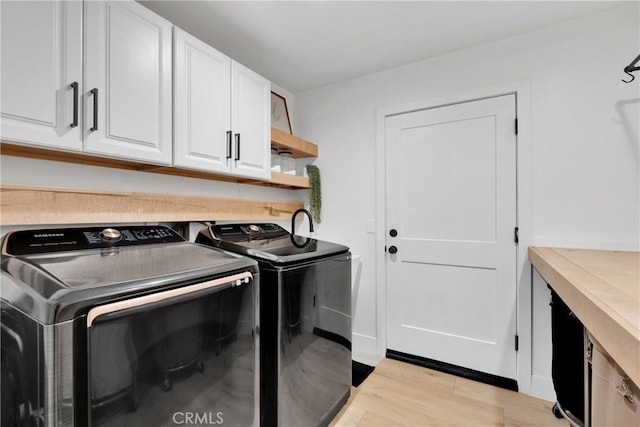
x=542 y=388
x=364 y=349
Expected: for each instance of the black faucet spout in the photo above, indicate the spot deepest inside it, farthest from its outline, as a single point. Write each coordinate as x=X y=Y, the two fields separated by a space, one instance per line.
x=293 y=220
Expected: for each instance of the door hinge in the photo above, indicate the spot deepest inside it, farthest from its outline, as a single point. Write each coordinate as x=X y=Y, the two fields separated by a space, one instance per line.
x=517 y=342
x=516 y=126
x=516 y=238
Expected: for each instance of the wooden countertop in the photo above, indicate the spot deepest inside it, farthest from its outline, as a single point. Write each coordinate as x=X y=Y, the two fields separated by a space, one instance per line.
x=602 y=288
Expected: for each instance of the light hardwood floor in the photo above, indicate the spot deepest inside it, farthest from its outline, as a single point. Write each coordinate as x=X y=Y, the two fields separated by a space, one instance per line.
x=400 y=394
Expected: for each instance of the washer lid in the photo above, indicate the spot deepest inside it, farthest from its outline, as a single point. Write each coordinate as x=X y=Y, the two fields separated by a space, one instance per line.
x=55 y=286
x=272 y=243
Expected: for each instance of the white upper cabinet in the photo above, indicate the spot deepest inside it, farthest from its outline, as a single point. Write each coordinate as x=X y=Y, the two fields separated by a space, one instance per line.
x=221 y=112
x=97 y=77
x=127 y=102
x=41 y=76
x=202 y=100
x=251 y=123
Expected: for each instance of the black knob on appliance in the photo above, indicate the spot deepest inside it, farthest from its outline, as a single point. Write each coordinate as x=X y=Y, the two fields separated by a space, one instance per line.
x=393 y=232
x=393 y=249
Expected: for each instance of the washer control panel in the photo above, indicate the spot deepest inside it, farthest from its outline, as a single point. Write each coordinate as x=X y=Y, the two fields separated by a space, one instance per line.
x=236 y=232
x=72 y=239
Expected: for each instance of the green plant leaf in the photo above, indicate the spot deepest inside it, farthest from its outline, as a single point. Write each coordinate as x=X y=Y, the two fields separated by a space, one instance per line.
x=315 y=197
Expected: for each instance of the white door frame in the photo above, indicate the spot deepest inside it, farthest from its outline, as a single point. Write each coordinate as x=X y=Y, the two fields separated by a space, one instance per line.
x=524 y=213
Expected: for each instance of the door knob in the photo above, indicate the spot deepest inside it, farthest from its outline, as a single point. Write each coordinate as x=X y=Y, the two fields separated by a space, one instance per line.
x=393 y=232
x=393 y=249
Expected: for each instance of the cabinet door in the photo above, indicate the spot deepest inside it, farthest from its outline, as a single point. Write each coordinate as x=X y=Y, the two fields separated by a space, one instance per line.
x=127 y=82
x=202 y=105
x=41 y=58
x=614 y=397
x=251 y=123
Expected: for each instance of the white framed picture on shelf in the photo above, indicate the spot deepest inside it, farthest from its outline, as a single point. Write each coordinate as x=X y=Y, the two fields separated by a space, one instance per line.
x=280 y=113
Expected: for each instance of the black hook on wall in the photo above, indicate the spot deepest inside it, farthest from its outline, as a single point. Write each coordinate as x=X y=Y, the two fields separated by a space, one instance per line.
x=630 y=68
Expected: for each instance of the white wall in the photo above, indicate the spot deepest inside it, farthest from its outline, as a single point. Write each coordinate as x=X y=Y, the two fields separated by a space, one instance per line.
x=584 y=135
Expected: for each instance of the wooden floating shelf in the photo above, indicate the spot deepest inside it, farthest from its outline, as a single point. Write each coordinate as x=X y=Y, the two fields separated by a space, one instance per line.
x=286 y=142
x=37 y=205
x=284 y=181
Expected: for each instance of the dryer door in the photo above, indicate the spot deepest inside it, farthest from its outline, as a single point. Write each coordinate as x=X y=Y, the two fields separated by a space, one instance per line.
x=173 y=357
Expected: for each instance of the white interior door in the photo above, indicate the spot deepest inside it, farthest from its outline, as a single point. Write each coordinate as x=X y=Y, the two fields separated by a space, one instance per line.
x=451 y=197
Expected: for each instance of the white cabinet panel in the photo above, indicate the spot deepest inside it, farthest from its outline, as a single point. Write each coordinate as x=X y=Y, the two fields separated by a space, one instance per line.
x=202 y=105
x=251 y=123
x=128 y=82
x=41 y=58
x=221 y=112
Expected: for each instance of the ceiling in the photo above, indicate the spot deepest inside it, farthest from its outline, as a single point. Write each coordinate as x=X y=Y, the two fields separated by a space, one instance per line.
x=303 y=45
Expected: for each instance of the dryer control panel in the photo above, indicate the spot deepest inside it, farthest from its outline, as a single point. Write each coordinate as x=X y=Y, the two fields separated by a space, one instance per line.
x=29 y=242
x=247 y=232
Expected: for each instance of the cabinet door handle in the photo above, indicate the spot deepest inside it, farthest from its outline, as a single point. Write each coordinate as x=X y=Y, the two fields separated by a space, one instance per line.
x=237 y=146
x=228 y=144
x=94 y=92
x=74 y=86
